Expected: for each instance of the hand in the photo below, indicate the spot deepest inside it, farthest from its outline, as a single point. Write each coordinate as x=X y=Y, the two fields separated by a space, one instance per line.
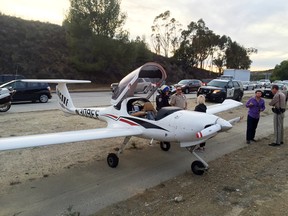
x=251 y=104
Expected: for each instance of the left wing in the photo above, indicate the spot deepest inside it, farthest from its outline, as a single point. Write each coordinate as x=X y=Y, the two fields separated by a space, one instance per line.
x=65 y=137
x=226 y=105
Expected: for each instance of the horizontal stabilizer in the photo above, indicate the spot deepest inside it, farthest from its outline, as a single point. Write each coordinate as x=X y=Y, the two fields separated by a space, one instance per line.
x=56 y=80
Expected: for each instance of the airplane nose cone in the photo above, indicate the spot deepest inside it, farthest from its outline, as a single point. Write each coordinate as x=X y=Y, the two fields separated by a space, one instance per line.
x=225 y=125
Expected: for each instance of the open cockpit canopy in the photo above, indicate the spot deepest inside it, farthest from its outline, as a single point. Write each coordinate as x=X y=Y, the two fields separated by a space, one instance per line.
x=127 y=87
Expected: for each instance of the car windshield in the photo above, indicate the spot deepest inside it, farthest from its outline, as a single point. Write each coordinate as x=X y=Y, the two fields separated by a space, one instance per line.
x=217 y=83
x=183 y=82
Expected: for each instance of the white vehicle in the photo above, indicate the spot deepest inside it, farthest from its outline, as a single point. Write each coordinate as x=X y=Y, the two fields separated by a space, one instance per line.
x=143 y=85
x=248 y=85
x=265 y=83
x=237 y=74
x=123 y=120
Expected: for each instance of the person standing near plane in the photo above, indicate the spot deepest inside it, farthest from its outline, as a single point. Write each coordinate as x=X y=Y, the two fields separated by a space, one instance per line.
x=179 y=99
x=201 y=107
x=162 y=100
x=279 y=103
x=255 y=105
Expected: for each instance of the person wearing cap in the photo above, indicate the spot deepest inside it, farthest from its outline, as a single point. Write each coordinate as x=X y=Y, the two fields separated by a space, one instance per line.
x=255 y=105
x=179 y=99
x=162 y=100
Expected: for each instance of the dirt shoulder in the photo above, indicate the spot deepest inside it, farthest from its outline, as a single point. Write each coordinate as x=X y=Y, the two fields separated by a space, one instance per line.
x=249 y=181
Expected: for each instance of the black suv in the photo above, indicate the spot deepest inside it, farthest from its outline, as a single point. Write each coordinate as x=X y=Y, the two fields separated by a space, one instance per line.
x=219 y=89
x=29 y=91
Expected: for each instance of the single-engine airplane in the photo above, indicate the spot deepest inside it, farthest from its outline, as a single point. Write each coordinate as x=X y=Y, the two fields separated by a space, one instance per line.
x=131 y=115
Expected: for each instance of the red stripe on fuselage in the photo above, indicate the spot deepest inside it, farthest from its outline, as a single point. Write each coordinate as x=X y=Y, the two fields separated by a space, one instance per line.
x=128 y=122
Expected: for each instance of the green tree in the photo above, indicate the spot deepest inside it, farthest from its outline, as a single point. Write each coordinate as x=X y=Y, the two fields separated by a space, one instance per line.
x=102 y=17
x=165 y=33
x=280 y=72
x=237 y=57
x=198 y=42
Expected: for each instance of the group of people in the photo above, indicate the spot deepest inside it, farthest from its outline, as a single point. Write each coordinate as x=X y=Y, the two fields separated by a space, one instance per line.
x=256 y=105
x=179 y=99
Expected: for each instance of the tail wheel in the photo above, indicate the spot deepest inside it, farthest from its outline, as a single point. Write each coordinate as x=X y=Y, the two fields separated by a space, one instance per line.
x=112 y=160
x=197 y=167
x=165 y=146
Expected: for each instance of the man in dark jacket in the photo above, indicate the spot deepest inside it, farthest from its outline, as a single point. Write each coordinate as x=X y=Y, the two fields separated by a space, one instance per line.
x=162 y=100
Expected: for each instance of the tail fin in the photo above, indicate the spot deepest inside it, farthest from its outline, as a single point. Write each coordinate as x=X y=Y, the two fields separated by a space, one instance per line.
x=63 y=95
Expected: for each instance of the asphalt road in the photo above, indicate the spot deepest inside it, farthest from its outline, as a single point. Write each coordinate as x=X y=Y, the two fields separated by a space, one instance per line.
x=80 y=99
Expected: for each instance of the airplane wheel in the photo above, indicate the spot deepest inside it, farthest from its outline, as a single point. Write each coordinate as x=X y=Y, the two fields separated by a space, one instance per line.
x=197 y=167
x=165 y=146
x=112 y=160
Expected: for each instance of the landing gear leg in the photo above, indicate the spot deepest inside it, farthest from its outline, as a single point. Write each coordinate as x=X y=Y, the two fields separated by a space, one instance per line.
x=199 y=166
x=112 y=158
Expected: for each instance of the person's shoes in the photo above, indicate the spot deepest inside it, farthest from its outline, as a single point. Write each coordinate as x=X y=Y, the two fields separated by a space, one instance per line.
x=253 y=140
x=274 y=144
x=248 y=141
x=281 y=143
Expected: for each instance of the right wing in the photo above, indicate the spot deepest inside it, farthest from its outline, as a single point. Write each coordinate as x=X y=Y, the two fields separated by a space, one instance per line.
x=65 y=137
x=226 y=105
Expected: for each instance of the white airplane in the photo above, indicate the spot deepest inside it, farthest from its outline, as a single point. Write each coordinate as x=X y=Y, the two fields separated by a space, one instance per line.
x=125 y=119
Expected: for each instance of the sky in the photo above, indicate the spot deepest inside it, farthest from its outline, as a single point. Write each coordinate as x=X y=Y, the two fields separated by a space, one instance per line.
x=261 y=24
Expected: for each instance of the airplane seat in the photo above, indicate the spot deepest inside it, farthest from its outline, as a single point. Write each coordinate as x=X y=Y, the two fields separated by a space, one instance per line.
x=165 y=111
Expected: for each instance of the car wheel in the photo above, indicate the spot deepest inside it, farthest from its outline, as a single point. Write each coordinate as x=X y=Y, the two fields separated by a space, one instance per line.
x=239 y=98
x=221 y=98
x=43 y=98
x=186 y=91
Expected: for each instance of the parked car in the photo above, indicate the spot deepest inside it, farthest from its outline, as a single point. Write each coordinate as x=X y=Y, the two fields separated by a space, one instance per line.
x=4 y=78
x=205 y=81
x=247 y=85
x=256 y=84
x=29 y=91
x=144 y=85
x=189 y=85
x=219 y=89
x=265 y=83
x=268 y=92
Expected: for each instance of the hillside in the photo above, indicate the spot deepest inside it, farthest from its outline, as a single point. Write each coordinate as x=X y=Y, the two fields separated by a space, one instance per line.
x=39 y=50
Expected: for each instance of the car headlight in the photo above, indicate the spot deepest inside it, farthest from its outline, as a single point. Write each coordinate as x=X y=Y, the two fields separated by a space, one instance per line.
x=216 y=91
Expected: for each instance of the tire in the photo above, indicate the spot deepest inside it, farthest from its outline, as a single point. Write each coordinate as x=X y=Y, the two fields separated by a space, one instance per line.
x=112 y=160
x=239 y=98
x=198 y=167
x=186 y=91
x=165 y=146
x=222 y=98
x=5 y=108
x=43 y=98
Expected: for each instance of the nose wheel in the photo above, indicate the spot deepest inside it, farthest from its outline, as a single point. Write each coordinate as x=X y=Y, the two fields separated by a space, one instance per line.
x=198 y=167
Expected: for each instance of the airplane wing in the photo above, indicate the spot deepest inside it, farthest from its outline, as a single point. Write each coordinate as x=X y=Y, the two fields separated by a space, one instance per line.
x=65 y=137
x=226 y=105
